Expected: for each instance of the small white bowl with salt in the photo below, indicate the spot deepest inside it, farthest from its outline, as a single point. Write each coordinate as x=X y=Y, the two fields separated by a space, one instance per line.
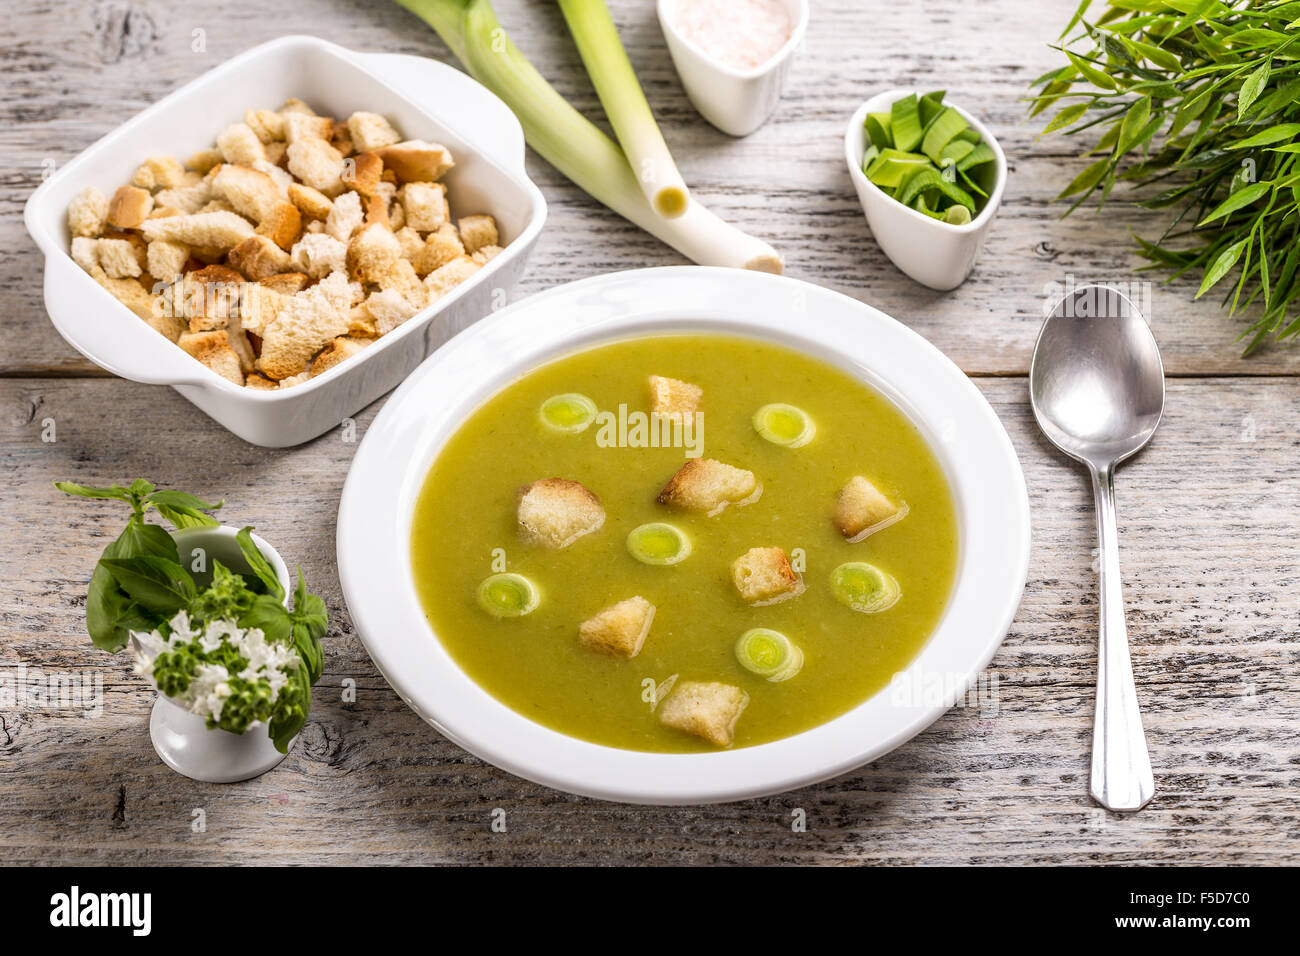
x=733 y=55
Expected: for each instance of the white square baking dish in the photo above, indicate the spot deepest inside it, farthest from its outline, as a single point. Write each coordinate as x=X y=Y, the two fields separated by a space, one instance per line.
x=483 y=135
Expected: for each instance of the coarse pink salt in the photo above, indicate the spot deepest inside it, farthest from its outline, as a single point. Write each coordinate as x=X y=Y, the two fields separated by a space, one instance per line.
x=741 y=34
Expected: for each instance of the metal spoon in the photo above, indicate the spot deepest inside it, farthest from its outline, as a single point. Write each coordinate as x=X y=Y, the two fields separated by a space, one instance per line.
x=1098 y=390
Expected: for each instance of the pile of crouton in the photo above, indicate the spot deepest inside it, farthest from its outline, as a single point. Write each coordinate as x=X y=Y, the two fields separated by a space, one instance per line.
x=288 y=248
x=555 y=513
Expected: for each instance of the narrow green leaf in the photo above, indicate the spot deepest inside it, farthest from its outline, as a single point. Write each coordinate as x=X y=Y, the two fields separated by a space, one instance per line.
x=1226 y=260
x=1253 y=86
x=1088 y=179
x=1097 y=76
x=1065 y=117
x=1238 y=200
x=1135 y=121
x=1274 y=134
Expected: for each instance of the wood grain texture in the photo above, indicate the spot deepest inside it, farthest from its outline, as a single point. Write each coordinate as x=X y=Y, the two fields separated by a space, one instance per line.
x=1208 y=514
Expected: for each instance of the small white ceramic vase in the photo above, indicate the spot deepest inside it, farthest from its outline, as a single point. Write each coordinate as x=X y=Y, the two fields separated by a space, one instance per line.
x=182 y=739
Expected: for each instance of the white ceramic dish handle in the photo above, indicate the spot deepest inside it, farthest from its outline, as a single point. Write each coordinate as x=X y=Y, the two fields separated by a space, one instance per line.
x=150 y=359
x=464 y=103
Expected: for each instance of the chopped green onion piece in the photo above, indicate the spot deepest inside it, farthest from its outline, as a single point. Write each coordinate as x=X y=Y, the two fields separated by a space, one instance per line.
x=941 y=132
x=905 y=123
x=970 y=135
x=957 y=215
x=931 y=105
x=982 y=153
x=954 y=152
x=869 y=157
x=786 y=425
x=658 y=543
x=508 y=595
x=929 y=179
x=878 y=130
x=864 y=587
x=569 y=413
x=893 y=166
x=769 y=654
x=970 y=184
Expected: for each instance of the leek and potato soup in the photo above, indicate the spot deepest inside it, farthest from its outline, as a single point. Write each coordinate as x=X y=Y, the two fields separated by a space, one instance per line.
x=684 y=543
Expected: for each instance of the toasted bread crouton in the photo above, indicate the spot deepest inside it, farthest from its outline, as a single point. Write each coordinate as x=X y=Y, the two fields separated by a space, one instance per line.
x=424 y=205
x=287 y=283
x=389 y=308
x=318 y=164
x=213 y=350
x=862 y=510
x=764 y=576
x=216 y=205
x=217 y=230
x=279 y=176
x=449 y=275
x=250 y=192
x=257 y=258
x=211 y=297
x=417 y=161
x=240 y=145
x=370 y=131
x=555 y=512
x=259 y=304
x=293 y=380
x=440 y=248
x=133 y=294
x=620 y=629
x=282 y=224
x=275 y=151
x=305 y=325
x=129 y=207
x=204 y=160
x=117 y=258
x=477 y=232
x=317 y=255
x=372 y=252
x=703 y=484
x=260 y=382
x=267 y=124
x=312 y=203
x=673 y=398
x=85 y=254
x=345 y=217
x=485 y=254
x=396 y=216
x=162 y=212
x=87 y=213
x=188 y=199
x=706 y=709
x=166 y=260
x=361 y=324
x=337 y=351
x=295 y=105
x=159 y=172
x=300 y=126
x=409 y=240
x=400 y=277
x=341 y=139
x=363 y=173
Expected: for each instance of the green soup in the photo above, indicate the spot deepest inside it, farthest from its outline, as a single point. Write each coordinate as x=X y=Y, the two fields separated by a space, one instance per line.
x=465 y=530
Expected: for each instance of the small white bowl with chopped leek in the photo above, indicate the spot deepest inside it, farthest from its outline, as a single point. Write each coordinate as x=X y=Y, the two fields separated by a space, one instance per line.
x=930 y=177
x=675 y=536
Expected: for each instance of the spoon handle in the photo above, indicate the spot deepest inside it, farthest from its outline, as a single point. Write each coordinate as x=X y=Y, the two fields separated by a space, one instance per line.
x=1121 y=769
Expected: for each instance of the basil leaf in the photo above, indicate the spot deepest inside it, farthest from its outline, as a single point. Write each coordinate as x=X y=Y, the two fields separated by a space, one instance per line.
x=140 y=487
x=257 y=561
x=115 y=492
x=181 y=499
x=185 y=517
x=270 y=617
x=159 y=585
x=107 y=605
x=310 y=650
x=284 y=728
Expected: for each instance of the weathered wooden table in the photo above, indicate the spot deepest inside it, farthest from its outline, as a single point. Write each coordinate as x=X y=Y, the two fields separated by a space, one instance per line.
x=1208 y=513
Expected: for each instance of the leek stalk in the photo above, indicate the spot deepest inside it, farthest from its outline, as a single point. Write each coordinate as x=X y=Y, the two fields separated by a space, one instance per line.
x=625 y=104
x=575 y=146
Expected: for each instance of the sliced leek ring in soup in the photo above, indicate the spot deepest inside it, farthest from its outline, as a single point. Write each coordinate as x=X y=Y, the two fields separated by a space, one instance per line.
x=567 y=414
x=769 y=654
x=864 y=587
x=783 y=424
x=658 y=543
x=508 y=595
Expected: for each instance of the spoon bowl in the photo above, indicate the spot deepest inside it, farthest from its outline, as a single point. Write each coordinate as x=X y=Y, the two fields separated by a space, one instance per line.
x=1097 y=383
x=1097 y=387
